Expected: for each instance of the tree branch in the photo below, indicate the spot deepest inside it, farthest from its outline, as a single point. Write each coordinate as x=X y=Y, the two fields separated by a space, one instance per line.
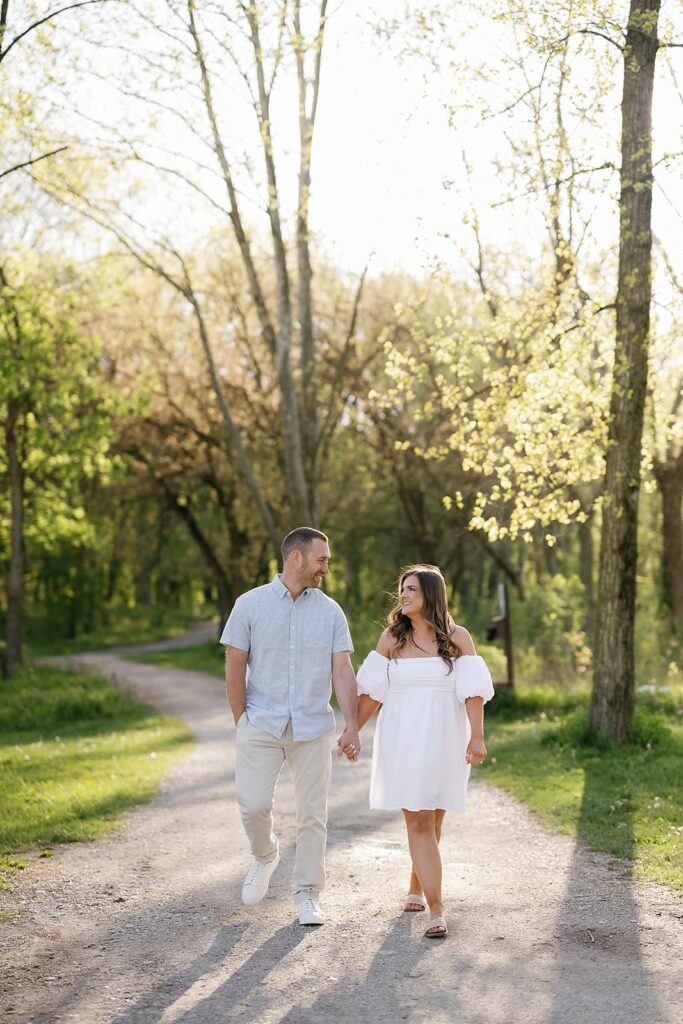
x=29 y=163
x=235 y=217
x=589 y=32
x=41 y=21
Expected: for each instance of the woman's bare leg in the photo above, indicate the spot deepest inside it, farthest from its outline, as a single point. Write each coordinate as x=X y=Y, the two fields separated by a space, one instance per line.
x=424 y=852
x=414 y=886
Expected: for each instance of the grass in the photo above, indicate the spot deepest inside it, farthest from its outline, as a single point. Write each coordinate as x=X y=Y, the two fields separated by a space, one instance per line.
x=206 y=657
x=75 y=752
x=138 y=626
x=210 y=656
x=625 y=801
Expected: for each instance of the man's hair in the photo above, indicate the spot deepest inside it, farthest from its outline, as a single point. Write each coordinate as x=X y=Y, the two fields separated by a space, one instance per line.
x=300 y=540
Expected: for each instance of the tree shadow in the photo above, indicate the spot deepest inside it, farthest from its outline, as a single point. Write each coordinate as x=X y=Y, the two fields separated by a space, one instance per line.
x=599 y=964
x=397 y=958
x=220 y=1005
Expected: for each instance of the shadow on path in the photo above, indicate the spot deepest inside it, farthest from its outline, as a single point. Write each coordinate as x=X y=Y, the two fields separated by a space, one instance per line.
x=396 y=959
x=220 y=1005
x=598 y=925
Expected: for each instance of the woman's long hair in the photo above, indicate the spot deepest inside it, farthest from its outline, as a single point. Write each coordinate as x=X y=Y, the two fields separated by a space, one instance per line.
x=434 y=612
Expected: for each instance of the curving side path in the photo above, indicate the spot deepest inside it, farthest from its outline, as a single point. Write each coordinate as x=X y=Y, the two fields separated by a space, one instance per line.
x=146 y=926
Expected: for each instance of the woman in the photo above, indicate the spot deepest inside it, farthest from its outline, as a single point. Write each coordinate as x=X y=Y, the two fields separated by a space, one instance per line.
x=426 y=673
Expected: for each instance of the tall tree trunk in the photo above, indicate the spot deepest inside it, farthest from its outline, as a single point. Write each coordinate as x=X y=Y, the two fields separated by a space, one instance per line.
x=669 y=476
x=280 y=342
x=15 y=576
x=304 y=289
x=586 y=561
x=611 y=712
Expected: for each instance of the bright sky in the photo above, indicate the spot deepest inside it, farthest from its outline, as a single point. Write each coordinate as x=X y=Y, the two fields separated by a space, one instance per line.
x=383 y=150
x=383 y=153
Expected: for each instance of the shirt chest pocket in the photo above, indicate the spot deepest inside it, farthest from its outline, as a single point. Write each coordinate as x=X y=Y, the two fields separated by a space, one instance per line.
x=317 y=640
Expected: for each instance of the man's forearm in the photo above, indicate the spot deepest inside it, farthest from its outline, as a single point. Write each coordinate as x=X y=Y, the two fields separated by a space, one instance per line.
x=345 y=689
x=236 y=690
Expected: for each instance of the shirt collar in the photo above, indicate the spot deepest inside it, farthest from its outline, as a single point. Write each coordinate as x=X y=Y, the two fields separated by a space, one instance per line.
x=281 y=590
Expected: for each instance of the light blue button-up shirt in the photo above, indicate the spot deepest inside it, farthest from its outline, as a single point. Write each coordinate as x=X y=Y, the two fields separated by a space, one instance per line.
x=290 y=646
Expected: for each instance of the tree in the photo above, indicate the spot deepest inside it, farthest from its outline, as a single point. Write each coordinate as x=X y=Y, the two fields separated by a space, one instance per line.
x=546 y=33
x=257 y=48
x=667 y=442
x=613 y=696
x=55 y=411
x=35 y=20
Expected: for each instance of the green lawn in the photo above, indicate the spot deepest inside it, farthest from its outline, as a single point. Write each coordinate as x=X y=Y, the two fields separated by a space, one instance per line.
x=207 y=657
x=625 y=801
x=75 y=752
x=138 y=626
x=210 y=657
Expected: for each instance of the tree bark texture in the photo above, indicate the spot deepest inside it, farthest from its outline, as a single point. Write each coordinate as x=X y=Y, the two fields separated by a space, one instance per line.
x=15 y=575
x=612 y=704
x=669 y=476
x=586 y=561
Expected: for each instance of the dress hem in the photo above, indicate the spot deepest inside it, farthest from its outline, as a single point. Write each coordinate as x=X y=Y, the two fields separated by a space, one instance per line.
x=402 y=807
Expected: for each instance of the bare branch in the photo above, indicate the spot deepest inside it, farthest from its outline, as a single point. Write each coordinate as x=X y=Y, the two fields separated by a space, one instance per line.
x=3 y=20
x=589 y=32
x=562 y=181
x=219 y=149
x=332 y=418
x=29 y=163
x=233 y=432
x=277 y=56
x=41 y=21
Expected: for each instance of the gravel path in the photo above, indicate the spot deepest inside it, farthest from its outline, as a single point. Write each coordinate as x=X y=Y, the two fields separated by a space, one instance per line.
x=146 y=926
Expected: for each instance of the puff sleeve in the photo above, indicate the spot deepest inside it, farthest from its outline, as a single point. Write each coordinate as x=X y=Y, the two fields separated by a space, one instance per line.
x=373 y=676
x=472 y=678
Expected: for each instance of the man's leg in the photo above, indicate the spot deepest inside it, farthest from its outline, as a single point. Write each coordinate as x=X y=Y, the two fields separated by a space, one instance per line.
x=310 y=763
x=259 y=761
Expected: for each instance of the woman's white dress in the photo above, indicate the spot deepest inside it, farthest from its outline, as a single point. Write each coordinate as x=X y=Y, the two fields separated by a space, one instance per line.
x=418 y=757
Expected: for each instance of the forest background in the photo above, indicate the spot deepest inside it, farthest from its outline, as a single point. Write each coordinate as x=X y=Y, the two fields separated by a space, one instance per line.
x=346 y=265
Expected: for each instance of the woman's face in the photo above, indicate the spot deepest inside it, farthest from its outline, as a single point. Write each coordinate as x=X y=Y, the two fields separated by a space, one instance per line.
x=411 y=597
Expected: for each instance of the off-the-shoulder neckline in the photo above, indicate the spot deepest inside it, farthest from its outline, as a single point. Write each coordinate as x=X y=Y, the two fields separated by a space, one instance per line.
x=426 y=657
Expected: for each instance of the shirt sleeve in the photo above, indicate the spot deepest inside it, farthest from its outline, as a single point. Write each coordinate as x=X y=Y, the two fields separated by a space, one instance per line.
x=237 y=632
x=342 y=636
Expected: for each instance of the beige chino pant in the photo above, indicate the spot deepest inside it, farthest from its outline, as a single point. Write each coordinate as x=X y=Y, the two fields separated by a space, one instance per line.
x=260 y=758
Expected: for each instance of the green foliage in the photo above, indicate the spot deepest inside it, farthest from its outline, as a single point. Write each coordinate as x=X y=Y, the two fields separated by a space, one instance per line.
x=649 y=729
x=551 y=621
x=523 y=397
x=75 y=752
x=42 y=698
x=545 y=703
x=125 y=626
x=52 y=380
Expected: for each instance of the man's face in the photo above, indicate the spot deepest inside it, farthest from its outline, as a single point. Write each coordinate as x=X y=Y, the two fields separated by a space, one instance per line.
x=315 y=563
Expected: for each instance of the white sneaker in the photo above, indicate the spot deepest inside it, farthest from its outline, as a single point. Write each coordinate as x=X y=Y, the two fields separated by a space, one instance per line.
x=256 y=883
x=310 y=912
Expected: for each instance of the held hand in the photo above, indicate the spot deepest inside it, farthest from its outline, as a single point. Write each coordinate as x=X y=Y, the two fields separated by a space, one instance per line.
x=476 y=751
x=349 y=744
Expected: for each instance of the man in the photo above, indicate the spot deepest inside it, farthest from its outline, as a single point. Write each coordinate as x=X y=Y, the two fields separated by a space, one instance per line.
x=292 y=638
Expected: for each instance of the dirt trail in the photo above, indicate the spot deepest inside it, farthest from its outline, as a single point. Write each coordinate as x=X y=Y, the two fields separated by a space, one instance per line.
x=146 y=926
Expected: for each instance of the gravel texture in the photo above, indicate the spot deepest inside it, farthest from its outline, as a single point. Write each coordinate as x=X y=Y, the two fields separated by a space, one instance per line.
x=146 y=926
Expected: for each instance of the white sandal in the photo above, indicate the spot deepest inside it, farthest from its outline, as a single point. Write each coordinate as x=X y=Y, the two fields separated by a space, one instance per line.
x=412 y=898
x=436 y=922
